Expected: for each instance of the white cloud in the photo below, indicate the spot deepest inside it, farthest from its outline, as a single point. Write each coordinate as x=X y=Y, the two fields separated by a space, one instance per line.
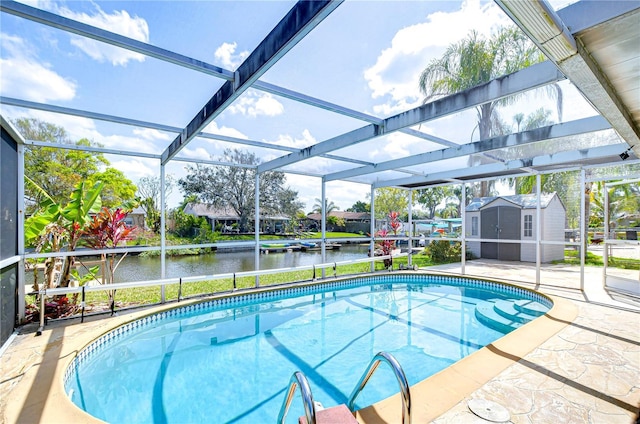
x=197 y=153
x=254 y=104
x=299 y=143
x=226 y=57
x=401 y=145
x=25 y=77
x=118 y=22
x=388 y=109
x=151 y=134
x=136 y=168
x=394 y=76
x=228 y=131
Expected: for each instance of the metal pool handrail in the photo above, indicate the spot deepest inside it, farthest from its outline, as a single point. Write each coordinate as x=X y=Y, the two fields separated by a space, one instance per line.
x=402 y=381
x=298 y=379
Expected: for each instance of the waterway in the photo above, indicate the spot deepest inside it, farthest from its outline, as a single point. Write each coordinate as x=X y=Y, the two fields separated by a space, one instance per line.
x=139 y=268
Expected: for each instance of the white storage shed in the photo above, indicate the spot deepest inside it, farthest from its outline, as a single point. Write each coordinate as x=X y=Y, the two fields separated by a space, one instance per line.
x=514 y=218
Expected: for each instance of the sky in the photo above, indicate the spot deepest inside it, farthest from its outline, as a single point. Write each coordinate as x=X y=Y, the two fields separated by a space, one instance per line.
x=367 y=56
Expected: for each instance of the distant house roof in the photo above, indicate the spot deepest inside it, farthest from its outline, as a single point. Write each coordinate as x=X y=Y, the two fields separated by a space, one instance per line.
x=347 y=216
x=137 y=211
x=203 y=209
x=525 y=201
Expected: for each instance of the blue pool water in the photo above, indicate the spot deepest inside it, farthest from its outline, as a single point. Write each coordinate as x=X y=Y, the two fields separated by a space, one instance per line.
x=230 y=360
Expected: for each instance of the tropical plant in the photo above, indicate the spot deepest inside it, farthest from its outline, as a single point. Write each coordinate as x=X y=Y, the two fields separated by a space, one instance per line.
x=476 y=60
x=451 y=210
x=623 y=205
x=55 y=226
x=385 y=247
x=328 y=205
x=106 y=231
x=431 y=197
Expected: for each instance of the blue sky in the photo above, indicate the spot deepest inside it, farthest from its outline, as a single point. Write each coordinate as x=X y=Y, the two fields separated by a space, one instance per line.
x=366 y=55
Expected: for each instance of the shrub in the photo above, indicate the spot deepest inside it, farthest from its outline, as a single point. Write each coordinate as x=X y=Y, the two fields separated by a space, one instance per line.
x=444 y=251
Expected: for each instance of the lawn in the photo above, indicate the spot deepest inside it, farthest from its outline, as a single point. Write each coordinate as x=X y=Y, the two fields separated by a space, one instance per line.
x=572 y=257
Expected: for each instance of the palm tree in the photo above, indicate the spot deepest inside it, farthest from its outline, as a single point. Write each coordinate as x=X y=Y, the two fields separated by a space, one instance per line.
x=450 y=210
x=518 y=117
x=329 y=206
x=476 y=60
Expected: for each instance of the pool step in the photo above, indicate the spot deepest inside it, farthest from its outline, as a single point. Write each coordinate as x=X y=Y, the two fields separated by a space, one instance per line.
x=487 y=315
x=507 y=315
x=507 y=309
x=335 y=415
x=530 y=307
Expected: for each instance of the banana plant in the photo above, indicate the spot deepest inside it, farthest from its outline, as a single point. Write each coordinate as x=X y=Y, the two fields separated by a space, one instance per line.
x=55 y=226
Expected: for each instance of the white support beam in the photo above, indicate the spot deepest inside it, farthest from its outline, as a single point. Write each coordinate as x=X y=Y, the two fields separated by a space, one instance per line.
x=69 y=25
x=533 y=77
x=580 y=126
x=498 y=169
x=343 y=140
x=428 y=137
x=332 y=107
x=160 y=127
x=86 y=114
x=163 y=232
x=79 y=28
x=90 y=149
x=298 y=22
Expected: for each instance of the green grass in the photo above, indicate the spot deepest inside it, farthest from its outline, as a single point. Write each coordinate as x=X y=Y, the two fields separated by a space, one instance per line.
x=572 y=257
x=98 y=301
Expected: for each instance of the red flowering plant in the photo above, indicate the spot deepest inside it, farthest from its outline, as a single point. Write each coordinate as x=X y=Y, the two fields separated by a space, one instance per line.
x=107 y=231
x=385 y=247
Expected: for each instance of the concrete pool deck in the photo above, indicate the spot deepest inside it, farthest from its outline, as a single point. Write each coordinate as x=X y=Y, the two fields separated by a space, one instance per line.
x=578 y=364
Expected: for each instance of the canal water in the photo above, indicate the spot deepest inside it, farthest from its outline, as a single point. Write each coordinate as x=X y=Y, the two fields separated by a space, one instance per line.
x=137 y=268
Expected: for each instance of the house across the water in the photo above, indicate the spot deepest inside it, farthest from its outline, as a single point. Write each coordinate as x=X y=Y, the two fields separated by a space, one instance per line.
x=354 y=222
x=227 y=220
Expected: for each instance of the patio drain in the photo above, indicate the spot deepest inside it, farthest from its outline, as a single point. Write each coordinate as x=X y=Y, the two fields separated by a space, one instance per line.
x=489 y=410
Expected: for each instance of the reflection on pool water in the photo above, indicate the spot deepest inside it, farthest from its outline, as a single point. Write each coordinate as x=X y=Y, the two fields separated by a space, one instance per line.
x=230 y=360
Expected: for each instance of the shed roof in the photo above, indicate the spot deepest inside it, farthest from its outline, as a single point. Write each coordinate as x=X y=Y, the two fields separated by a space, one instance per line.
x=525 y=201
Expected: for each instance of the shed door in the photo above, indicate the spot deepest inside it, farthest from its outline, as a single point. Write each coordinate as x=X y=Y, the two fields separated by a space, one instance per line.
x=500 y=222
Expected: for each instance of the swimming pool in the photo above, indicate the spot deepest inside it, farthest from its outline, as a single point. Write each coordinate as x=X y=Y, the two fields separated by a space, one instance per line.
x=230 y=359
